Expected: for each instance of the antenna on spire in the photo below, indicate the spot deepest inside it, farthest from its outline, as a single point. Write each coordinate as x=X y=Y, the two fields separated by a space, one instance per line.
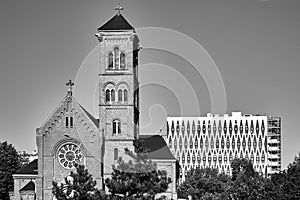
x=119 y=8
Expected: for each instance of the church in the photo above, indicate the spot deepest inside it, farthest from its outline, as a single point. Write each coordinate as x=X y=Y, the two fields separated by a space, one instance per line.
x=71 y=135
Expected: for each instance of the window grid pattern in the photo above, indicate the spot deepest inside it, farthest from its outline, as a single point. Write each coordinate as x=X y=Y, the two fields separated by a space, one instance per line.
x=215 y=141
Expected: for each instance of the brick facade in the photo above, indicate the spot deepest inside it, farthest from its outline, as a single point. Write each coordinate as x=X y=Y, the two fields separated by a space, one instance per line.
x=72 y=135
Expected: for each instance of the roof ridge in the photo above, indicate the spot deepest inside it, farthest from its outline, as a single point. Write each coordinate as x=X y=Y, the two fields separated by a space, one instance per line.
x=90 y=116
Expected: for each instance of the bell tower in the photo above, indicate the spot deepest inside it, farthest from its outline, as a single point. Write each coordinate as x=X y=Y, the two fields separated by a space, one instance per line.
x=118 y=89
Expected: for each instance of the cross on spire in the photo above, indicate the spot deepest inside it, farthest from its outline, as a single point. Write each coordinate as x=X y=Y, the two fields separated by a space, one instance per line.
x=70 y=85
x=119 y=8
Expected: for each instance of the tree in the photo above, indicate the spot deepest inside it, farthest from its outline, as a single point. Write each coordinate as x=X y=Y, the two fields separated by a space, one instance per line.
x=24 y=158
x=139 y=178
x=246 y=182
x=9 y=164
x=78 y=186
x=286 y=184
x=293 y=176
x=204 y=184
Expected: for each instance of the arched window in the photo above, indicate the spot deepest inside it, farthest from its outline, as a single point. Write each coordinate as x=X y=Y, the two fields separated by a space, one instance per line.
x=112 y=95
x=71 y=122
x=125 y=96
x=117 y=57
x=116 y=127
x=120 y=96
x=122 y=60
x=107 y=95
x=116 y=154
x=67 y=122
x=110 y=60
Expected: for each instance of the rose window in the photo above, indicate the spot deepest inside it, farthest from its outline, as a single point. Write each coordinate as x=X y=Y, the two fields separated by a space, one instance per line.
x=69 y=155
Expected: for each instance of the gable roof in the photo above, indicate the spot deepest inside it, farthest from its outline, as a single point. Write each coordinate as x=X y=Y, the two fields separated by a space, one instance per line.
x=28 y=187
x=30 y=168
x=118 y=22
x=157 y=147
x=62 y=106
x=92 y=118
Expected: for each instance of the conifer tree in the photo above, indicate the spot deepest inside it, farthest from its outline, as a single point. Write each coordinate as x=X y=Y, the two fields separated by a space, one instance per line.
x=78 y=186
x=139 y=178
x=10 y=162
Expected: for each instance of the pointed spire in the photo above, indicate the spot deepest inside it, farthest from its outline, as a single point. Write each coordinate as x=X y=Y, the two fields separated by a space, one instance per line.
x=70 y=85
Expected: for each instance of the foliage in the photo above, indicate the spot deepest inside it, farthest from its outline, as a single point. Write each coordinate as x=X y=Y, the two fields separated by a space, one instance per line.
x=24 y=158
x=139 y=178
x=9 y=164
x=286 y=184
x=78 y=186
x=245 y=183
x=204 y=183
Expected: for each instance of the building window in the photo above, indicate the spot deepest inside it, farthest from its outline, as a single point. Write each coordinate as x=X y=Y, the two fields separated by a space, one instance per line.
x=214 y=128
x=107 y=95
x=252 y=127
x=201 y=143
x=193 y=128
x=180 y=143
x=125 y=95
x=116 y=60
x=71 y=122
x=257 y=127
x=112 y=95
x=67 y=122
x=120 y=94
x=222 y=143
x=208 y=127
x=235 y=127
x=172 y=128
x=122 y=60
x=117 y=57
x=177 y=128
x=203 y=127
x=198 y=128
x=175 y=143
x=116 y=154
x=188 y=128
x=110 y=60
x=191 y=143
x=69 y=155
x=116 y=127
x=220 y=128
x=228 y=143
x=230 y=127
x=241 y=127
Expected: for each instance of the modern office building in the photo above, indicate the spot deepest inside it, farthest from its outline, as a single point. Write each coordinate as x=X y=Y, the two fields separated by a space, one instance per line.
x=215 y=140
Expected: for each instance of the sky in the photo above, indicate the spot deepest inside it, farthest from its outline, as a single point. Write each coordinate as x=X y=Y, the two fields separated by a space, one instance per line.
x=220 y=56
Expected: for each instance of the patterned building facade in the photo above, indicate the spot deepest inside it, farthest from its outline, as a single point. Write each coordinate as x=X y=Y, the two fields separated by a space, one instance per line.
x=214 y=141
